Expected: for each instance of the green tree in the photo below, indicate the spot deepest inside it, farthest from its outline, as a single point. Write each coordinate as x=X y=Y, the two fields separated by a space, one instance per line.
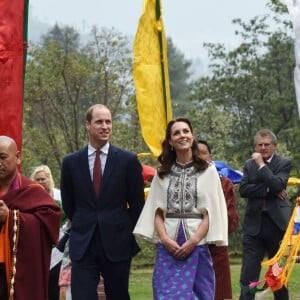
x=63 y=79
x=179 y=78
x=250 y=87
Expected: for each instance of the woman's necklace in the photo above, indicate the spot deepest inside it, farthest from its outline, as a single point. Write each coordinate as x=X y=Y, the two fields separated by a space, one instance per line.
x=185 y=163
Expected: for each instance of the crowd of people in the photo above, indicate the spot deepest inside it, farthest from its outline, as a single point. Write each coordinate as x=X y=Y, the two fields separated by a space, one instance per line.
x=84 y=235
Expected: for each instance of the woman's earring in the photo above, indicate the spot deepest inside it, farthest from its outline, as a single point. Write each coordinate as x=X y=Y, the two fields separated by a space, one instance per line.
x=172 y=149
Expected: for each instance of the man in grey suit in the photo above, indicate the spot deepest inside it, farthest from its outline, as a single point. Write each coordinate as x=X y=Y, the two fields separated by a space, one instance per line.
x=267 y=212
x=103 y=212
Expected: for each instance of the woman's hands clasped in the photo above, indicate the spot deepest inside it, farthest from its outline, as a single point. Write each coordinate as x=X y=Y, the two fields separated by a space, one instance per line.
x=179 y=252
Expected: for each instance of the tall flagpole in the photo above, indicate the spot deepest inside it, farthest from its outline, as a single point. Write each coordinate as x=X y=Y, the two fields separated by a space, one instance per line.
x=164 y=60
x=294 y=11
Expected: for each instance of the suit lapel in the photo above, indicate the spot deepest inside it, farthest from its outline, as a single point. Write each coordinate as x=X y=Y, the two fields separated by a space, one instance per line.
x=83 y=163
x=273 y=163
x=110 y=164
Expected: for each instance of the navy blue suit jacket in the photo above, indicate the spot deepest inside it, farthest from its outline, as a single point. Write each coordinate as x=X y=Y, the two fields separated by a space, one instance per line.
x=116 y=210
x=258 y=185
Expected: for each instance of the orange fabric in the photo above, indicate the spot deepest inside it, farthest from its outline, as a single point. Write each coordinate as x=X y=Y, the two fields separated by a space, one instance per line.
x=2 y=240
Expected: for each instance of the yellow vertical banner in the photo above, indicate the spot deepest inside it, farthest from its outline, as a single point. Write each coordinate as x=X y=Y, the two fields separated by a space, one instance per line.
x=151 y=76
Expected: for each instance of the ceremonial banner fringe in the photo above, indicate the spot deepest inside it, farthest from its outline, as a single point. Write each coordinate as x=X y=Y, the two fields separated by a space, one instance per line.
x=13 y=37
x=293 y=181
x=294 y=11
x=151 y=76
x=280 y=266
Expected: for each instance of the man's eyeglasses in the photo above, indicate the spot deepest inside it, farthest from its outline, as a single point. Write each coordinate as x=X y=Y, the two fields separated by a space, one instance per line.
x=264 y=145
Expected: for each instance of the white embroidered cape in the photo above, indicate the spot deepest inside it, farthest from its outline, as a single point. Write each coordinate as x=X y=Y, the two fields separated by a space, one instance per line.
x=210 y=199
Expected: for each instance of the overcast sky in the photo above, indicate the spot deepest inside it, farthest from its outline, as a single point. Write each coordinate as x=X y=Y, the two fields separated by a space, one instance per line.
x=189 y=23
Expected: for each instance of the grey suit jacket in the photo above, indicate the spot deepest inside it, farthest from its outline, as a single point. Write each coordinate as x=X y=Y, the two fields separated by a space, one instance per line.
x=264 y=185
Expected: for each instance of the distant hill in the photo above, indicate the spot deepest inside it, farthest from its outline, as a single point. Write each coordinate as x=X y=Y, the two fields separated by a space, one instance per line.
x=36 y=29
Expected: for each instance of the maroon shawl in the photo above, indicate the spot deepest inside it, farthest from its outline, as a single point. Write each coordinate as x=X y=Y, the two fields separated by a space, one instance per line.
x=39 y=222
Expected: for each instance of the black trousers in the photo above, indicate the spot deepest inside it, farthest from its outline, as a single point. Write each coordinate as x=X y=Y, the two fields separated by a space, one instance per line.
x=254 y=250
x=86 y=274
x=3 y=283
x=53 y=288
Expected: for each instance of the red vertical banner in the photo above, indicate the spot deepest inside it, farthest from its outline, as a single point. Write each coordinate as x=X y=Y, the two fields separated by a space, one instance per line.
x=13 y=38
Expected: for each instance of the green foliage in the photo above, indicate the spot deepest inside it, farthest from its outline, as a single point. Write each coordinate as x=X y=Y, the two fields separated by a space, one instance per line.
x=145 y=258
x=250 y=87
x=141 y=284
x=63 y=78
x=179 y=78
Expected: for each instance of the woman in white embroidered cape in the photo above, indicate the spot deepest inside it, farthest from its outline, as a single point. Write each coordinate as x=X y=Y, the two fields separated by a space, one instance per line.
x=184 y=211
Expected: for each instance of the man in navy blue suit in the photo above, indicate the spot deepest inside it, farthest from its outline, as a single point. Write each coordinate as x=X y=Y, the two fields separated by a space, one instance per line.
x=267 y=211
x=101 y=239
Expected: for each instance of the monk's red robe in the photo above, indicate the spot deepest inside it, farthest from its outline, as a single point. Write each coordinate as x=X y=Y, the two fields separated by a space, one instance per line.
x=38 y=230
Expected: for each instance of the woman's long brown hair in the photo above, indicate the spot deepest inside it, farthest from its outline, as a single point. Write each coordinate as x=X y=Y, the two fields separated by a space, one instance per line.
x=168 y=155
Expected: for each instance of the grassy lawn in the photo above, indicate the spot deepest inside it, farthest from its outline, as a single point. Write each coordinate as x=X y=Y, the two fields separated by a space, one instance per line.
x=141 y=283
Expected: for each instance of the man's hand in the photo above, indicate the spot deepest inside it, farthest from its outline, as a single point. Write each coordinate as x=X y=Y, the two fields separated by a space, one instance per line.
x=282 y=195
x=257 y=157
x=3 y=212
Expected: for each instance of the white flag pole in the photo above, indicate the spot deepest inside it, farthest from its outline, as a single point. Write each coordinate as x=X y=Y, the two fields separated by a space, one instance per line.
x=294 y=11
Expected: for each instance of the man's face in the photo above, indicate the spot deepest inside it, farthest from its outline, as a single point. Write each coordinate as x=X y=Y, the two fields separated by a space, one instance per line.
x=265 y=147
x=100 y=127
x=9 y=159
x=204 y=153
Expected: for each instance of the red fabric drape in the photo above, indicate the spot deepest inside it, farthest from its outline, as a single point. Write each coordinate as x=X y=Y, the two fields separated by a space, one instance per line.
x=13 y=16
x=148 y=172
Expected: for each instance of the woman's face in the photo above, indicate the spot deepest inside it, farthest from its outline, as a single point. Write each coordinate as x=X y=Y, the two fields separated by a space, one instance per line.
x=42 y=178
x=181 y=137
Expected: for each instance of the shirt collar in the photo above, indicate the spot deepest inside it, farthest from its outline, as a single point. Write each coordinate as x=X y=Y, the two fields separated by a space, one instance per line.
x=269 y=160
x=104 y=149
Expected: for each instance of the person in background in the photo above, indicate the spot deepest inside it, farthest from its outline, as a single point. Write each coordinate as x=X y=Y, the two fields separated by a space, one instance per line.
x=102 y=194
x=64 y=280
x=220 y=254
x=29 y=226
x=185 y=210
x=43 y=175
x=268 y=210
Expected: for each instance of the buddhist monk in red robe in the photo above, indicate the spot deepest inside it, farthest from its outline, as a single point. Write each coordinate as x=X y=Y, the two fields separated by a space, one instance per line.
x=29 y=226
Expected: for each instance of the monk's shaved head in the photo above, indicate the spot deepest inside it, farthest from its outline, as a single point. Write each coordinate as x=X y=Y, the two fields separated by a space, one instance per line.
x=8 y=141
x=9 y=159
